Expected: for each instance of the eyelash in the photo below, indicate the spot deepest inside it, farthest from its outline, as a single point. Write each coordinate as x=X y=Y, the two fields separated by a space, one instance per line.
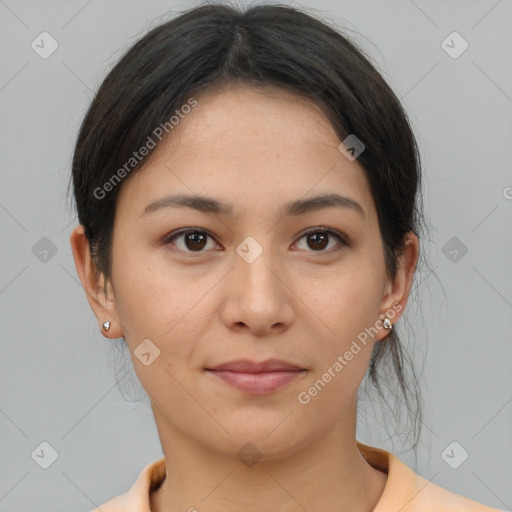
x=343 y=240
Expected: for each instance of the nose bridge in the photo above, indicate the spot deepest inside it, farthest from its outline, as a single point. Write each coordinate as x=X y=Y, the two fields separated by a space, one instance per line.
x=257 y=297
x=253 y=263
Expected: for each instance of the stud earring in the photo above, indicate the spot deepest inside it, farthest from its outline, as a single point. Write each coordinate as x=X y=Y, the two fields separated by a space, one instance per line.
x=387 y=324
x=106 y=325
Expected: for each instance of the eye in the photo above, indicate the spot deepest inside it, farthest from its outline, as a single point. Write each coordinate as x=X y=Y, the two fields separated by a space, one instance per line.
x=319 y=238
x=193 y=240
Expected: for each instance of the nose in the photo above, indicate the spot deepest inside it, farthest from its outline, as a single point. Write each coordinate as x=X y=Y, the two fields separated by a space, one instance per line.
x=258 y=297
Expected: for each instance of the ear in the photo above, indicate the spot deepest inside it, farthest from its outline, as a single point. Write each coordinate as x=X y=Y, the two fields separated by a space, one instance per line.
x=394 y=302
x=101 y=300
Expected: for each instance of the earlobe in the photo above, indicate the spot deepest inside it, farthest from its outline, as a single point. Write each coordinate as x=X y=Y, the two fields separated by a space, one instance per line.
x=93 y=284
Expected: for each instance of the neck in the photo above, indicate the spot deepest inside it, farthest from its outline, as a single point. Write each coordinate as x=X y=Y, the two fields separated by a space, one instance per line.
x=328 y=474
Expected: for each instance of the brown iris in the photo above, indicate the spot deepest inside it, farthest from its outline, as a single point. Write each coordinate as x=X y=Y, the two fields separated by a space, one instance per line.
x=195 y=240
x=319 y=240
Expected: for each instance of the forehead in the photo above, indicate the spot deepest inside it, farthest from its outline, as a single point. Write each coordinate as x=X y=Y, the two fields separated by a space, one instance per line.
x=250 y=144
x=239 y=113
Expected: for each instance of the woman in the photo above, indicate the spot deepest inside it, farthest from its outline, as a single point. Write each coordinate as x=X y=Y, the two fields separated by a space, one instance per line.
x=247 y=188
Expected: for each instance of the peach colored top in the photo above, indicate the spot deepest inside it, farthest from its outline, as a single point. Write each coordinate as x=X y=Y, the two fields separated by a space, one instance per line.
x=405 y=490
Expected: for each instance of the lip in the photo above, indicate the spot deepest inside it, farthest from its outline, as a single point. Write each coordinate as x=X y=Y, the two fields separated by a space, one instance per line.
x=247 y=366
x=258 y=383
x=257 y=378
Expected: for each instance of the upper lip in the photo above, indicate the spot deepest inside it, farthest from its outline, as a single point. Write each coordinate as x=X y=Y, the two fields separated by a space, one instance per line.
x=247 y=366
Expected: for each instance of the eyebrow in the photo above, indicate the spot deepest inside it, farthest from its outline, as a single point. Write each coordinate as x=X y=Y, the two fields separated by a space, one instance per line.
x=213 y=206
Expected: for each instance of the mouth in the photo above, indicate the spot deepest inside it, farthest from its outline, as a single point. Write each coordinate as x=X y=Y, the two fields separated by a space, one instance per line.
x=257 y=378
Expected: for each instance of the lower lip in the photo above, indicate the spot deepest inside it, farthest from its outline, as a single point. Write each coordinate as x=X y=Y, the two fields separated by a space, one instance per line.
x=258 y=383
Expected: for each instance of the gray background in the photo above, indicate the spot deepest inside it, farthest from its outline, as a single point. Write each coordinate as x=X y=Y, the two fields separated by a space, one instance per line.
x=59 y=375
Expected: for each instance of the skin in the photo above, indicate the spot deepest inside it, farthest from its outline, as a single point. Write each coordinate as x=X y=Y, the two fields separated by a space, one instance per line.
x=256 y=149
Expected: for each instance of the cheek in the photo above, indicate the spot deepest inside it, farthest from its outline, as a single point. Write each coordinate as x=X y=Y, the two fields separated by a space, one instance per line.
x=147 y=294
x=345 y=300
x=151 y=308
x=161 y=305
x=347 y=307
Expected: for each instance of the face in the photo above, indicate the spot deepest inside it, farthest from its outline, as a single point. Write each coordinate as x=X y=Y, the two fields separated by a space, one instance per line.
x=256 y=280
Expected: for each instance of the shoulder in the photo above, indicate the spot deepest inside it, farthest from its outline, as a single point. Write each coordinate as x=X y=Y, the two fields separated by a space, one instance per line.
x=427 y=496
x=137 y=498
x=407 y=491
x=114 y=505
